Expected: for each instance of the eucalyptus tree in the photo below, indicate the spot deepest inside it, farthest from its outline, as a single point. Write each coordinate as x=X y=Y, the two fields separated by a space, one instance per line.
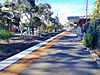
x=96 y=10
x=6 y=14
x=53 y=26
x=95 y=17
x=32 y=9
x=48 y=13
x=2 y=26
x=45 y=13
x=5 y=21
x=42 y=11
x=6 y=3
x=22 y=8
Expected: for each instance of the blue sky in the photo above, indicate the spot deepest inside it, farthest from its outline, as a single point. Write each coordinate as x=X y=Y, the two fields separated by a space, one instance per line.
x=66 y=8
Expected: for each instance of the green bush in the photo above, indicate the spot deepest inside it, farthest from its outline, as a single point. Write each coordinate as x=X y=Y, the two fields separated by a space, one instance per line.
x=88 y=39
x=5 y=34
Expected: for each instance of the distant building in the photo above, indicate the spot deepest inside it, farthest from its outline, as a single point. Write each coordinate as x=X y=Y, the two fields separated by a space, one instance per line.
x=73 y=19
x=80 y=20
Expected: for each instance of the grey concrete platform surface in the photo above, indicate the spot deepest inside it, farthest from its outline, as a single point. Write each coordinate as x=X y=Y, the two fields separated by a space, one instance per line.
x=65 y=57
x=11 y=60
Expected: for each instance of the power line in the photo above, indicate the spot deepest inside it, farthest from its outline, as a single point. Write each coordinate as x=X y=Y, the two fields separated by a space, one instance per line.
x=83 y=8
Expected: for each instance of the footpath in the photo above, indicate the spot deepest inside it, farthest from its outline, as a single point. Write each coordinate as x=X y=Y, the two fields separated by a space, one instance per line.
x=64 y=55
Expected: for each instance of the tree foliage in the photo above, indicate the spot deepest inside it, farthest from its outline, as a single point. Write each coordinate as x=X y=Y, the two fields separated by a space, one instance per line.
x=96 y=10
x=40 y=15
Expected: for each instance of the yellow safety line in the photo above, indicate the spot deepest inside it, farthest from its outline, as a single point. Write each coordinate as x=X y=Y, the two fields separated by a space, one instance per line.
x=19 y=66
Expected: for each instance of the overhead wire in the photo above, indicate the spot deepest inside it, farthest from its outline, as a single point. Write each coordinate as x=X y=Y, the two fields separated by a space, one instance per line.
x=83 y=9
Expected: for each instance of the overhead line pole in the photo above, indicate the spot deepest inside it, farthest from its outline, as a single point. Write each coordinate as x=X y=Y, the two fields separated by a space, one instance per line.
x=86 y=10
